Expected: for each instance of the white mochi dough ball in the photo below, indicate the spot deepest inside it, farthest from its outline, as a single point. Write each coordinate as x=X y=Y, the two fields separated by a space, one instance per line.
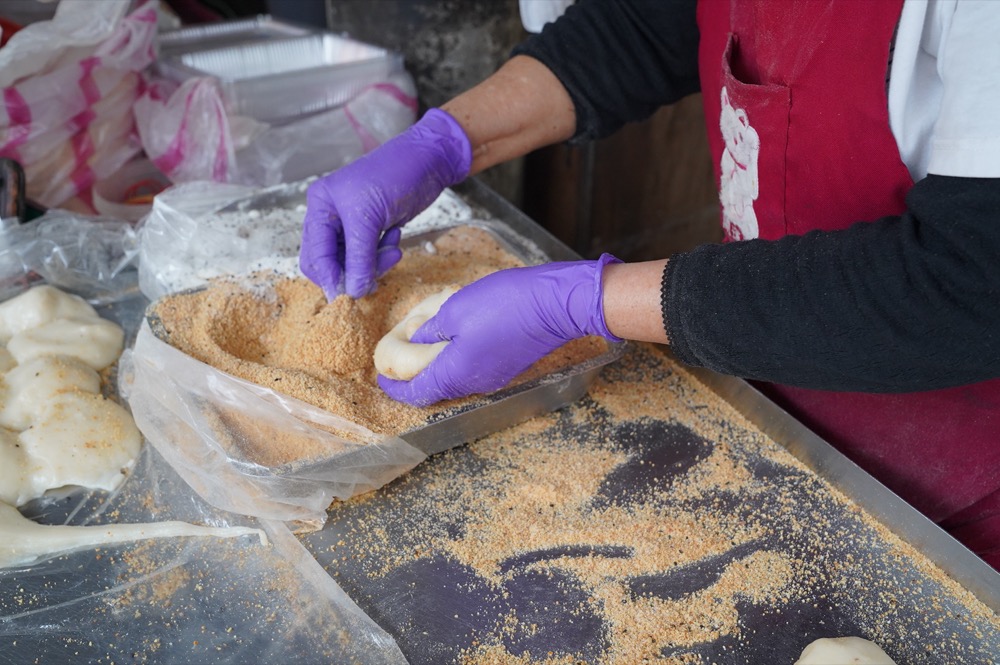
x=843 y=651
x=396 y=356
x=12 y=480
x=80 y=439
x=29 y=387
x=40 y=305
x=97 y=342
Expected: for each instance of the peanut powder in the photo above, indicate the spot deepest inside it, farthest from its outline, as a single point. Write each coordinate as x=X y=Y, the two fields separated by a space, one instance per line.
x=282 y=334
x=647 y=522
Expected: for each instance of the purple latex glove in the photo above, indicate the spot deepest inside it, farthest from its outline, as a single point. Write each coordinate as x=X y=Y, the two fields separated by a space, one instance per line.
x=353 y=215
x=501 y=324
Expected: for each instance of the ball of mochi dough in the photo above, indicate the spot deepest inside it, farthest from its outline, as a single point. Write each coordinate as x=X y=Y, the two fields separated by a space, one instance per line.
x=40 y=305
x=96 y=342
x=79 y=439
x=27 y=388
x=396 y=356
x=843 y=651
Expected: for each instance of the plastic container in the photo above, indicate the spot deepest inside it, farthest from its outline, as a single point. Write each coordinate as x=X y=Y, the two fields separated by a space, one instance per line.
x=279 y=77
x=128 y=193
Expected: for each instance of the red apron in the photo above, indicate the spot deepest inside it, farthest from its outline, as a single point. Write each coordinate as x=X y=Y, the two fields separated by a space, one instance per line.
x=795 y=102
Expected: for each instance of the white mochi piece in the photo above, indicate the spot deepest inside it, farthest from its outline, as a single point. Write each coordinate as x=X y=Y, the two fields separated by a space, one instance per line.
x=23 y=541
x=12 y=468
x=843 y=651
x=30 y=386
x=40 y=305
x=79 y=439
x=396 y=356
x=97 y=342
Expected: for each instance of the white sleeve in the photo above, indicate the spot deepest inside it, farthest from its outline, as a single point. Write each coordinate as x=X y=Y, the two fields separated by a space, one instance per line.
x=966 y=139
x=944 y=88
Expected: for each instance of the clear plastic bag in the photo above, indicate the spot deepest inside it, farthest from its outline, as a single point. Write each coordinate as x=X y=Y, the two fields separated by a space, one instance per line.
x=203 y=420
x=90 y=256
x=178 y=600
x=69 y=86
x=188 y=238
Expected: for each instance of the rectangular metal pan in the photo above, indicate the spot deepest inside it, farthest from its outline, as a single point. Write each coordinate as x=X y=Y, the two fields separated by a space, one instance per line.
x=489 y=413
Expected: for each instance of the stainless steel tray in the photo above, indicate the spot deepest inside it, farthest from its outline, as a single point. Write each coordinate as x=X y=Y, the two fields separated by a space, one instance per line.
x=881 y=503
x=438 y=607
x=273 y=71
x=486 y=414
x=226 y=33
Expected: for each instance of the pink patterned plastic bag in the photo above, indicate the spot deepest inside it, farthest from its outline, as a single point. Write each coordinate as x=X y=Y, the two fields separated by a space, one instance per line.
x=68 y=88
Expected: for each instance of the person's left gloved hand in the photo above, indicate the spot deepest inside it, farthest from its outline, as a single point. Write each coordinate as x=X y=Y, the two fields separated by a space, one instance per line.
x=503 y=323
x=351 y=230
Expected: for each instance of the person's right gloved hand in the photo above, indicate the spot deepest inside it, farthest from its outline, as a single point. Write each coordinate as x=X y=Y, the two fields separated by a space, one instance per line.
x=499 y=325
x=353 y=215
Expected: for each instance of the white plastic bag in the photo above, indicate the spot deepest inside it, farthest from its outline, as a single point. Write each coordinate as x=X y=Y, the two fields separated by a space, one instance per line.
x=188 y=134
x=69 y=86
x=185 y=130
x=326 y=141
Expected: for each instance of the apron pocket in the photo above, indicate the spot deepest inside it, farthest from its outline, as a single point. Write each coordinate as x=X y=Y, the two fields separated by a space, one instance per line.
x=754 y=123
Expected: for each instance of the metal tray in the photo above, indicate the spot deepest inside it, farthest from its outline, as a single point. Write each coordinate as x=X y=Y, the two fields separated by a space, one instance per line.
x=438 y=608
x=274 y=71
x=486 y=414
x=226 y=33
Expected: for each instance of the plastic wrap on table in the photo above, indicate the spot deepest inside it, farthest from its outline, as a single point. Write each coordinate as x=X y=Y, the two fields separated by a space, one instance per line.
x=90 y=256
x=179 y=600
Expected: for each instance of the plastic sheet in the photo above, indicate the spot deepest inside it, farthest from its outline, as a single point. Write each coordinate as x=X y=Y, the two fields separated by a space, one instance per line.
x=185 y=600
x=200 y=419
x=90 y=256
x=181 y=600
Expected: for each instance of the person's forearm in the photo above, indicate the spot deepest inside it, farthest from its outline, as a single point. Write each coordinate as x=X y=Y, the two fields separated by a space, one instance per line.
x=520 y=108
x=899 y=304
x=632 y=308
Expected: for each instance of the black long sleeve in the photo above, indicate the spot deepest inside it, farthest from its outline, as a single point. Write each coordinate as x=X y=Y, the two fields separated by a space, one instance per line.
x=620 y=60
x=897 y=305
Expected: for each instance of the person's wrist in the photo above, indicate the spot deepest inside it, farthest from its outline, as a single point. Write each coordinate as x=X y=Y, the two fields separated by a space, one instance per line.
x=600 y=322
x=582 y=296
x=455 y=144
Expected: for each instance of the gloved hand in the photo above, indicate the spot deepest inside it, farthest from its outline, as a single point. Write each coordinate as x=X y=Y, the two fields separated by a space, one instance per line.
x=501 y=324
x=353 y=215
